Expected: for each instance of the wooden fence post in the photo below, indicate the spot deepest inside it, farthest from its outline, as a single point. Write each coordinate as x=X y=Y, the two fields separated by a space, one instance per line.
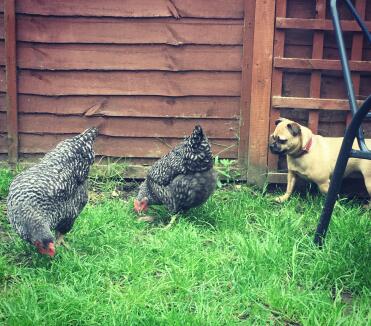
x=247 y=55
x=11 y=79
x=262 y=69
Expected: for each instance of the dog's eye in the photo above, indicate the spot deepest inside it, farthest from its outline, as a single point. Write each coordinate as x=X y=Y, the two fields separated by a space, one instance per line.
x=282 y=141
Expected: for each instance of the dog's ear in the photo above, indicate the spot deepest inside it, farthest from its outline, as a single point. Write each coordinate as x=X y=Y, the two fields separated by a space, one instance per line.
x=294 y=128
x=279 y=120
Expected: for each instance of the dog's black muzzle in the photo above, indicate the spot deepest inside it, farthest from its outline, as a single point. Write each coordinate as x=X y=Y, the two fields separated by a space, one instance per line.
x=275 y=148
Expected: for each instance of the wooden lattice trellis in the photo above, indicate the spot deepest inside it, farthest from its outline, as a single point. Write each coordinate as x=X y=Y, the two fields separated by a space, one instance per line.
x=315 y=65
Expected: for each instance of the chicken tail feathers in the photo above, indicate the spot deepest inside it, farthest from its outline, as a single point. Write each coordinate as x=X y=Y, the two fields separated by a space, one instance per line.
x=89 y=134
x=196 y=137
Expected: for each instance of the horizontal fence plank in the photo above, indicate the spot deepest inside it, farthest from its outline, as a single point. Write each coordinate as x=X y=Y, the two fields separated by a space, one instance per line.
x=127 y=83
x=276 y=177
x=124 y=127
x=121 y=147
x=126 y=57
x=305 y=38
x=133 y=8
x=320 y=64
x=130 y=106
x=128 y=31
x=317 y=24
x=279 y=102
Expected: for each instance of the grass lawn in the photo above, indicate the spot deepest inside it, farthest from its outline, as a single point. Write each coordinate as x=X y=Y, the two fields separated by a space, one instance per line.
x=239 y=259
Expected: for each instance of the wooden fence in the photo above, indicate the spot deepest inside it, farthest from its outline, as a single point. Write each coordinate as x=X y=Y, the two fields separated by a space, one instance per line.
x=307 y=83
x=147 y=71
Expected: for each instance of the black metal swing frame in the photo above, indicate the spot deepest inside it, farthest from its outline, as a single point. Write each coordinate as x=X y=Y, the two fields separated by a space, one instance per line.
x=354 y=129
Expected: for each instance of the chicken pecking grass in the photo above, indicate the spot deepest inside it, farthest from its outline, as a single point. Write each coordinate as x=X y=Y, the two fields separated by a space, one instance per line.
x=51 y=194
x=182 y=179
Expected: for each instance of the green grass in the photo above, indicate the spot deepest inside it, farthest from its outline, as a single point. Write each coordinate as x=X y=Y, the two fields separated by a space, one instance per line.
x=239 y=259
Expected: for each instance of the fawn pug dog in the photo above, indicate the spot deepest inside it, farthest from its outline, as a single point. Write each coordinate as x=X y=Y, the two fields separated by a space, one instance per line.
x=312 y=157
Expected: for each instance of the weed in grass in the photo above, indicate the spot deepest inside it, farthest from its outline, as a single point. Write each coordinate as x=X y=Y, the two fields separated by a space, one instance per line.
x=226 y=170
x=238 y=259
x=105 y=178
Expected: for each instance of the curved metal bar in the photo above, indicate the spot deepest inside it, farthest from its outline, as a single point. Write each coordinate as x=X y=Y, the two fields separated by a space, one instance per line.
x=346 y=70
x=337 y=177
x=358 y=19
x=353 y=131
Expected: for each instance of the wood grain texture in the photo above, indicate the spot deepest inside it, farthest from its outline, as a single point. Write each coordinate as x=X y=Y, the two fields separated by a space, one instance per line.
x=261 y=90
x=295 y=84
x=133 y=8
x=130 y=106
x=246 y=79
x=3 y=124
x=127 y=57
x=2 y=53
x=277 y=76
x=125 y=127
x=128 y=31
x=1 y=26
x=311 y=103
x=2 y=80
x=121 y=147
x=299 y=44
x=128 y=83
x=11 y=79
x=356 y=52
x=3 y=144
x=318 y=24
x=300 y=9
x=131 y=68
x=317 y=53
x=320 y=64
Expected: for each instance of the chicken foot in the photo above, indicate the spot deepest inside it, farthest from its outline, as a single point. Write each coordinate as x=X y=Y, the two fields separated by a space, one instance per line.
x=172 y=221
x=146 y=218
x=60 y=240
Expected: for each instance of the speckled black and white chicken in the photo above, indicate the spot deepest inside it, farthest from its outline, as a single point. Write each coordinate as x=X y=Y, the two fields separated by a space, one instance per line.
x=50 y=195
x=182 y=179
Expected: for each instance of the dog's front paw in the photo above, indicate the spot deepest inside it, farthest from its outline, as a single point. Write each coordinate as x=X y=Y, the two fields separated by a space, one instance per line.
x=281 y=199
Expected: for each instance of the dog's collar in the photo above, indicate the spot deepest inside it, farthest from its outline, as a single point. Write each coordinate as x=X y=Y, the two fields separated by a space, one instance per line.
x=308 y=145
x=305 y=149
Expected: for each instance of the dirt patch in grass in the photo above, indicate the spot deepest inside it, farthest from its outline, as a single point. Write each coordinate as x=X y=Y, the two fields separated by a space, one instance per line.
x=129 y=189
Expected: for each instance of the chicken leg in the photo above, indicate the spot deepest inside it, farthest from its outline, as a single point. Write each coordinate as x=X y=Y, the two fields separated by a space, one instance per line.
x=60 y=240
x=172 y=221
